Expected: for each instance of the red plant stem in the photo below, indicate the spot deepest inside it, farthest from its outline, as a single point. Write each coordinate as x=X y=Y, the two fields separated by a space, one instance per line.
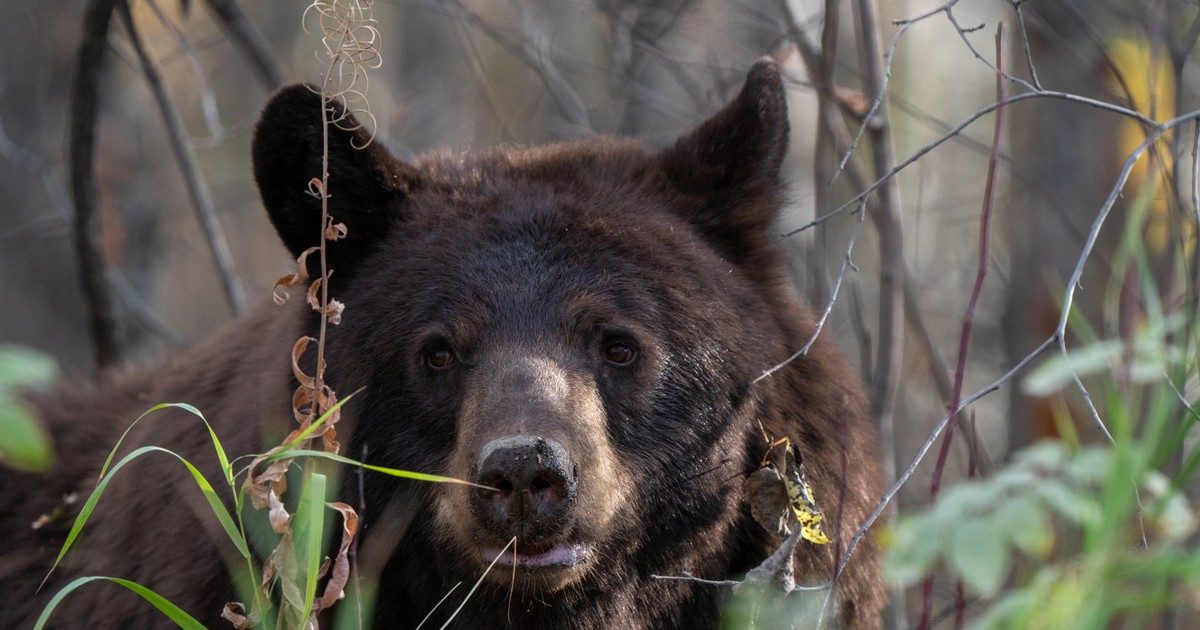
x=968 y=322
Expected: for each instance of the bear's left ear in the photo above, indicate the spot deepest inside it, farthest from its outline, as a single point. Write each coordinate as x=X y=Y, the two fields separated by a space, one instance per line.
x=367 y=184
x=727 y=169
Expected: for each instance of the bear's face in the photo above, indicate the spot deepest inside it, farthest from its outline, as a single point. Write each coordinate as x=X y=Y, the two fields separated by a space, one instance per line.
x=574 y=329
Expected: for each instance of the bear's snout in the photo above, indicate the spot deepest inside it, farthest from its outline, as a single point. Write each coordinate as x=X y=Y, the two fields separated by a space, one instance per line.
x=534 y=485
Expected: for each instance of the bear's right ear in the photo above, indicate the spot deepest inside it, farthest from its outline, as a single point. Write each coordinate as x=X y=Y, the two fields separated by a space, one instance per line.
x=727 y=170
x=366 y=185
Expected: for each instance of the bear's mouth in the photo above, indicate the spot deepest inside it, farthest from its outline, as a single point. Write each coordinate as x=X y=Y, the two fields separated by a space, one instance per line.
x=556 y=556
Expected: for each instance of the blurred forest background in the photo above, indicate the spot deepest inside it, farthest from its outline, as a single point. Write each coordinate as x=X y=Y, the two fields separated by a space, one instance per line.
x=462 y=74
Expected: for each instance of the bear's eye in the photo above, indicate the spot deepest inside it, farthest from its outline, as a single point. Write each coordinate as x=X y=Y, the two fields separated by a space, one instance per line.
x=439 y=358
x=619 y=352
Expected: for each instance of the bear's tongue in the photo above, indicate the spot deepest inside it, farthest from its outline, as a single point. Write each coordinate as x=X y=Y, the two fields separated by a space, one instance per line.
x=560 y=555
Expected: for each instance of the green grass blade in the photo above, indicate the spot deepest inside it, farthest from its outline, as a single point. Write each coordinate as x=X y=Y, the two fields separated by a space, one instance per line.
x=310 y=520
x=173 y=612
x=226 y=469
x=394 y=472
x=90 y=505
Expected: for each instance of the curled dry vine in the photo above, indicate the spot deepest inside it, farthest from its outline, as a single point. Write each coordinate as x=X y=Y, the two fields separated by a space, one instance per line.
x=350 y=39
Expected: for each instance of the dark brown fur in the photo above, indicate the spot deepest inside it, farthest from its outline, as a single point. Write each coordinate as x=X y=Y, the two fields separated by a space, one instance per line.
x=496 y=250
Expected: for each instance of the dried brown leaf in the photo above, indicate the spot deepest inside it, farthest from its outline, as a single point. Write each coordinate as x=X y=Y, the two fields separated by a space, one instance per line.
x=298 y=351
x=235 y=614
x=278 y=514
x=273 y=478
x=313 y=295
x=335 y=231
x=335 y=587
x=333 y=312
x=289 y=571
x=296 y=278
x=315 y=187
x=767 y=495
x=329 y=439
x=268 y=576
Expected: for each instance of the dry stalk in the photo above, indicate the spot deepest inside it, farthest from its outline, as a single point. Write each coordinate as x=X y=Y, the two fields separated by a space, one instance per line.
x=349 y=37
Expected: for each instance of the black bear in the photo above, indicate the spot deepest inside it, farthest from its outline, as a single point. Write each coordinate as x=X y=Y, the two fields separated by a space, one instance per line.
x=578 y=326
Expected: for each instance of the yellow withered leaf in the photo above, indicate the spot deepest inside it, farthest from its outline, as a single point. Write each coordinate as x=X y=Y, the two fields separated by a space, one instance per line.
x=800 y=497
x=779 y=487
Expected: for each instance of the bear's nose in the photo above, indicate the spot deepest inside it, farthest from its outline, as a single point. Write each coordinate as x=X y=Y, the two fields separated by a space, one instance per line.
x=534 y=483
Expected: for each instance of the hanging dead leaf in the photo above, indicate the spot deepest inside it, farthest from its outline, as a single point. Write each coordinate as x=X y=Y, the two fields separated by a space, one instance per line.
x=273 y=478
x=800 y=496
x=768 y=500
x=335 y=587
x=329 y=440
x=268 y=576
x=235 y=614
x=296 y=278
x=333 y=312
x=313 y=296
x=315 y=187
x=278 y=514
x=778 y=492
x=335 y=231
x=298 y=351
x=289 y=572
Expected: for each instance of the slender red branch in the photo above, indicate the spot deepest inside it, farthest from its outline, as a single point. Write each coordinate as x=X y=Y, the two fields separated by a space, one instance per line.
x=968 y=322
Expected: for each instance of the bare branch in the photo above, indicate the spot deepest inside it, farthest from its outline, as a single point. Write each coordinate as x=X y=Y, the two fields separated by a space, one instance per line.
x=85 y=98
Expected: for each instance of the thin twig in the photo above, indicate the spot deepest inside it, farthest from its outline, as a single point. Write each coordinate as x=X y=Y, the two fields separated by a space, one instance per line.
x=688 y=577
x=837 y=285
x=1033 y=75
x=235 y=295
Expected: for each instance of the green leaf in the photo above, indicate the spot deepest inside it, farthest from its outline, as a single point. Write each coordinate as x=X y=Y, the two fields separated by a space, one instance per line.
x=1069 y=502
x=210 y=495
x=173 y=612
x=980 y=556
x=25 y=446
x=1027 y=526
x=911 y=549
x=21 y=366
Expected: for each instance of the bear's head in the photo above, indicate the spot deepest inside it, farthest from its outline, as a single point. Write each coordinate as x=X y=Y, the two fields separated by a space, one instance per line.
x=575 y=326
